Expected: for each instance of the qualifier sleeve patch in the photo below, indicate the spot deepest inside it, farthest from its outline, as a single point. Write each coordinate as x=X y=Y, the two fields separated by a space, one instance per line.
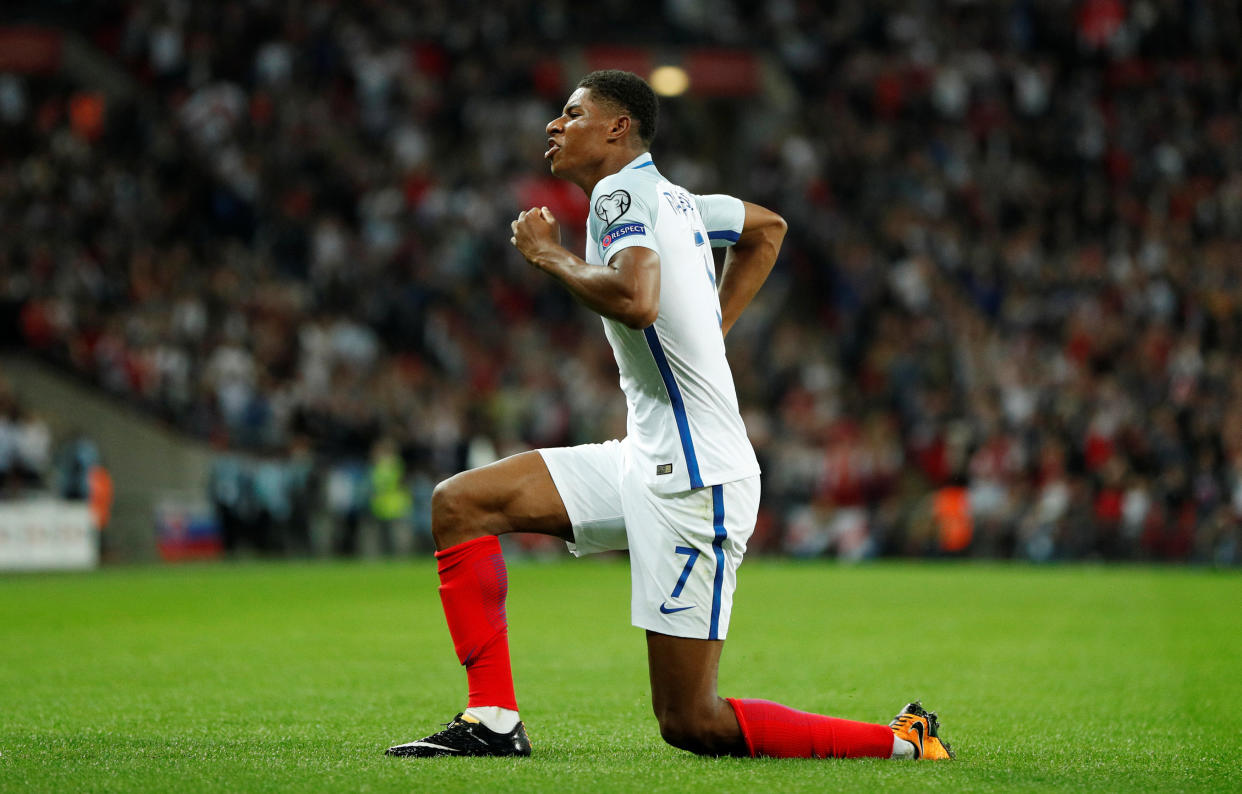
x=624 y=230
x=611 y=207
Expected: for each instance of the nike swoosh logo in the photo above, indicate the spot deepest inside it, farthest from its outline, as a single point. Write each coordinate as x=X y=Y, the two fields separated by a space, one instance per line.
x=429 y=744
x=670 y=610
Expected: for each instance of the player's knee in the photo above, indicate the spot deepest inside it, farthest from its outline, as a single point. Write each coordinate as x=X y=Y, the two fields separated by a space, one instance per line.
x=677 y=731
x=691 y=731
x=451 y=512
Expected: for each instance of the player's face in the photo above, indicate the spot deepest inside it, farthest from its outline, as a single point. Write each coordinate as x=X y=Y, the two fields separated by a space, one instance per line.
x=576 y=138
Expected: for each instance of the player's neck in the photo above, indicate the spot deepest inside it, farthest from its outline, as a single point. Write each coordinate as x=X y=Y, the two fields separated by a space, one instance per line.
x=610 y=164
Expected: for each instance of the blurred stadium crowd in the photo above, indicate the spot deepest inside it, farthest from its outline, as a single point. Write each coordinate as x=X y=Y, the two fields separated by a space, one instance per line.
x=1007 y=320
x=32 y=462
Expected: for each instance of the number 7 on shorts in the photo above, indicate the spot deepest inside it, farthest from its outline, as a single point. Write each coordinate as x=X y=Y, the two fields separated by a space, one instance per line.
x=691 y=556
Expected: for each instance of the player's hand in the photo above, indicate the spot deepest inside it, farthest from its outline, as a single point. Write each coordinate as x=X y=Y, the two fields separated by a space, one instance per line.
x=535 y=231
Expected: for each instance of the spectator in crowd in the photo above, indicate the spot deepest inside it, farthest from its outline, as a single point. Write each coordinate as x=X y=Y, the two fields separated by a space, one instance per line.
x=390 y=494
x=347 y=501
x=25 y=446
x=231 y=495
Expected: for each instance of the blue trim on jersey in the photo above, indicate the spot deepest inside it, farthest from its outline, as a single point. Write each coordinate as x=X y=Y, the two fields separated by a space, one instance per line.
x=644 y=165
x=718 y=547
x=724 y=234
x=679 y=407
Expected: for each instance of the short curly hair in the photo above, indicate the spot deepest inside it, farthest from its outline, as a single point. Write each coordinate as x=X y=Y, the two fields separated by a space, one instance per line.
x=628 y=92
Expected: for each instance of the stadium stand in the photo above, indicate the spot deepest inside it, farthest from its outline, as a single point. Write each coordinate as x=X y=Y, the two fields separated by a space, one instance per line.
x=1005 y=322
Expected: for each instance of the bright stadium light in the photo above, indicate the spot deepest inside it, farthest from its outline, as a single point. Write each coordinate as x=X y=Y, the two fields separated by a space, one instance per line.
x=669 y=80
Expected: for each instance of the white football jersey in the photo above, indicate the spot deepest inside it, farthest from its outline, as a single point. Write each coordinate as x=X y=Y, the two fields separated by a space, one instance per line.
x=683 y=424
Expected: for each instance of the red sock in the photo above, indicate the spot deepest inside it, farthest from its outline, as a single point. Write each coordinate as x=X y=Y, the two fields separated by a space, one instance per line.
x=778 y=731
x=473 y=587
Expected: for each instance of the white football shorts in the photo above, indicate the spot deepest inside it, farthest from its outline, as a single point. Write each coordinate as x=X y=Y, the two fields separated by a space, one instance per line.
x=685 y=548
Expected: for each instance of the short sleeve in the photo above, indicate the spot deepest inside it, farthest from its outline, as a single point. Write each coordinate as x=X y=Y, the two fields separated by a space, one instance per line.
x=723 y=216
x=623 y=214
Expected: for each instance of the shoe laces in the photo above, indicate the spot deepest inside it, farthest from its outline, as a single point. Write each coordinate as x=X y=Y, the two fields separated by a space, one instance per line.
x=450 y=727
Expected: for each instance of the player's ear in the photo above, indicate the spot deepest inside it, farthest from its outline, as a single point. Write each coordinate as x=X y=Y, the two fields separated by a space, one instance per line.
x=620 y=126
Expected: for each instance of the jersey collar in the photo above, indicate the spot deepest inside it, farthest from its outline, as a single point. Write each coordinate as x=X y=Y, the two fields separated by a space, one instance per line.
x=641 y=161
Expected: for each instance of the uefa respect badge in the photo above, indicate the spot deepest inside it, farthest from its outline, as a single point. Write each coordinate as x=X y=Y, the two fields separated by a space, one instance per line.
x=622 y=231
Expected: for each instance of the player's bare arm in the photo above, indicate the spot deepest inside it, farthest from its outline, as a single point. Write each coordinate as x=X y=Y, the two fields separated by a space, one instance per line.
x=749 y=261
x=627 y=290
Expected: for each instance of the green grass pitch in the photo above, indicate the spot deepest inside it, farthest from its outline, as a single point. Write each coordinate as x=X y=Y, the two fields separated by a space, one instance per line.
x=295 y=677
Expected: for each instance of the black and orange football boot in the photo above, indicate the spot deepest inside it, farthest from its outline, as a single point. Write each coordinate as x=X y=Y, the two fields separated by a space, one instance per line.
x=921 y=728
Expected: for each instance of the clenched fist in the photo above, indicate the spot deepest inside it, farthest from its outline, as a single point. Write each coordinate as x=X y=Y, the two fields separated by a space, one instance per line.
x=535 y=232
